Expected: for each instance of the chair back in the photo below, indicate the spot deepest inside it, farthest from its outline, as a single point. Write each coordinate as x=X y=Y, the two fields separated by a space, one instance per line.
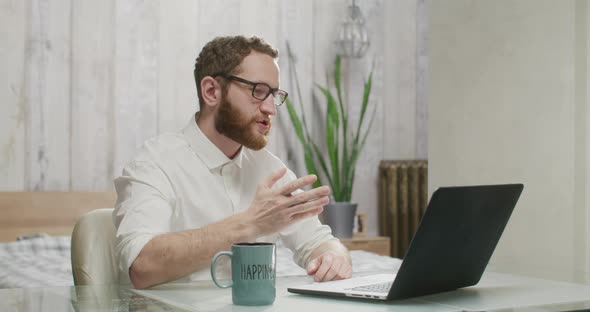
x=93 y=249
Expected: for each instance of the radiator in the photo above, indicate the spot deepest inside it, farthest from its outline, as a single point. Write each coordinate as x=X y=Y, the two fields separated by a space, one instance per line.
x=403 y=196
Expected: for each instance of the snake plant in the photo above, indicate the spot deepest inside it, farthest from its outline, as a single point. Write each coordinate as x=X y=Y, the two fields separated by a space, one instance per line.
x=342 y=143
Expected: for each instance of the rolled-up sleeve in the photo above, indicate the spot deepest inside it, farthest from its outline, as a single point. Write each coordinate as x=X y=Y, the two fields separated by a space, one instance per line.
x=305 y=236
x=145 y=203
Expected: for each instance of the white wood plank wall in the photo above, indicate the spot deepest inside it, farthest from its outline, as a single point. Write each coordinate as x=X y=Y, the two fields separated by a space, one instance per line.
x=84 y=83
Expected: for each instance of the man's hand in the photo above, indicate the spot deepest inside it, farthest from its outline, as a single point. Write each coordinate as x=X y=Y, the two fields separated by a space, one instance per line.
x=273 y=210
x=330 y=265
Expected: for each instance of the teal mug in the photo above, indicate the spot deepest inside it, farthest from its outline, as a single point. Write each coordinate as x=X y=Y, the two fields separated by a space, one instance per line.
x=253 y=267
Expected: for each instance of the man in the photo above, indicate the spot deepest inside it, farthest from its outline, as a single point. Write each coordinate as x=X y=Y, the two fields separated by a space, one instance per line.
x=190 y=194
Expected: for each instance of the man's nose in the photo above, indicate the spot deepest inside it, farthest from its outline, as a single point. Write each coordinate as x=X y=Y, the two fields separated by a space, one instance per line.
x=268 y=107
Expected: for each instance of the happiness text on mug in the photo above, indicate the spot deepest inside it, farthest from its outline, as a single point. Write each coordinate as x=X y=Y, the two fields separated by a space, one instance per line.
x=257 y=272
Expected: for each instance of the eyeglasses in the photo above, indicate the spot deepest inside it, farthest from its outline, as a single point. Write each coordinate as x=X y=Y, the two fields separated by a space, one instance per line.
x=260 y=90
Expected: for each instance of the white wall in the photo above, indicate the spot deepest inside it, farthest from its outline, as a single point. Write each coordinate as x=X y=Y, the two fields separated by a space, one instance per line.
x=509 y=103
x=84 y=82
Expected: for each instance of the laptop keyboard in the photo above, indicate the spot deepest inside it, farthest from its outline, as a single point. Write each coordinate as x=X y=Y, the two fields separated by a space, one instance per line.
x=378 y=288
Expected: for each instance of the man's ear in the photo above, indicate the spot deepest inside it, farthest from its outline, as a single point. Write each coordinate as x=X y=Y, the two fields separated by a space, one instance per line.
x=211 y=91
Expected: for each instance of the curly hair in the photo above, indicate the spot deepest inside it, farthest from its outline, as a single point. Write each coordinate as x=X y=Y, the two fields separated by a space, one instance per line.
x=224 y=55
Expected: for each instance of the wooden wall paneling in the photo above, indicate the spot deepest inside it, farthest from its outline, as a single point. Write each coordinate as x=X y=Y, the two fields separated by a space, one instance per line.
x=260 y=18
x=400 y=132
x=92 y=119
x=366 y=177
x=120 y=51
x=295 y=24
x=178 y=50
x=327 y=17
x=218 y=18
x=135 y=80
x=48 y=95
x=358 y=70
x=13 y=30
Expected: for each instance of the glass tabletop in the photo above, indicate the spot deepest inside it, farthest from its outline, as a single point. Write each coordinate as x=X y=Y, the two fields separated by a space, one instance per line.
x=80 y=299
x=204 y=296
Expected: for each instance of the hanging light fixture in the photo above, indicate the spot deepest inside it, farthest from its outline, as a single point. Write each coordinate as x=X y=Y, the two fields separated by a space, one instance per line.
x=353 y=39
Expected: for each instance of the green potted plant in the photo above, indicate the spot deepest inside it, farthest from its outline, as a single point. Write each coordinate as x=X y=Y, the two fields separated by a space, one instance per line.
x=342 y=143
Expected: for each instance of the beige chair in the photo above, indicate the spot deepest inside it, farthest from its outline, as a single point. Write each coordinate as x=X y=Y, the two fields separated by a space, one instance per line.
x=93 y=249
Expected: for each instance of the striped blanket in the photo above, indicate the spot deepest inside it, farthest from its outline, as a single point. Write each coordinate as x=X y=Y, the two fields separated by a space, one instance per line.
x=45 y=261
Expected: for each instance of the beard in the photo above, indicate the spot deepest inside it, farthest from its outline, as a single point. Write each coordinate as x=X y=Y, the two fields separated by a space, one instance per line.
x=238 y=128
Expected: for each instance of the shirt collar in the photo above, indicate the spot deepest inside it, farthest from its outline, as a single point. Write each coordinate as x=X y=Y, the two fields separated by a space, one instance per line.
x=208 y=152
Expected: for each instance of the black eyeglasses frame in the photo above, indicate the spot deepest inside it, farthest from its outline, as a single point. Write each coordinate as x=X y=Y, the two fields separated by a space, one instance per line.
x=273 y=91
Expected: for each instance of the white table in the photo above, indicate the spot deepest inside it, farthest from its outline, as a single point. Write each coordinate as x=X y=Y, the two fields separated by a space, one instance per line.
x=494 y=292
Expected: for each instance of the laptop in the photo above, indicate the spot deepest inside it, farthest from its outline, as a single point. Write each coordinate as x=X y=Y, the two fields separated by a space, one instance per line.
x=451 y=248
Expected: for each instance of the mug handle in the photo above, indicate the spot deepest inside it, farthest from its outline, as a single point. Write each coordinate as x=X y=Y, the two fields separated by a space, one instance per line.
x=214 y=263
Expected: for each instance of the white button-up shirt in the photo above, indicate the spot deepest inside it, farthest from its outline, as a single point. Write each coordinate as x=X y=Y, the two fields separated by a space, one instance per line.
x=182 y=181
